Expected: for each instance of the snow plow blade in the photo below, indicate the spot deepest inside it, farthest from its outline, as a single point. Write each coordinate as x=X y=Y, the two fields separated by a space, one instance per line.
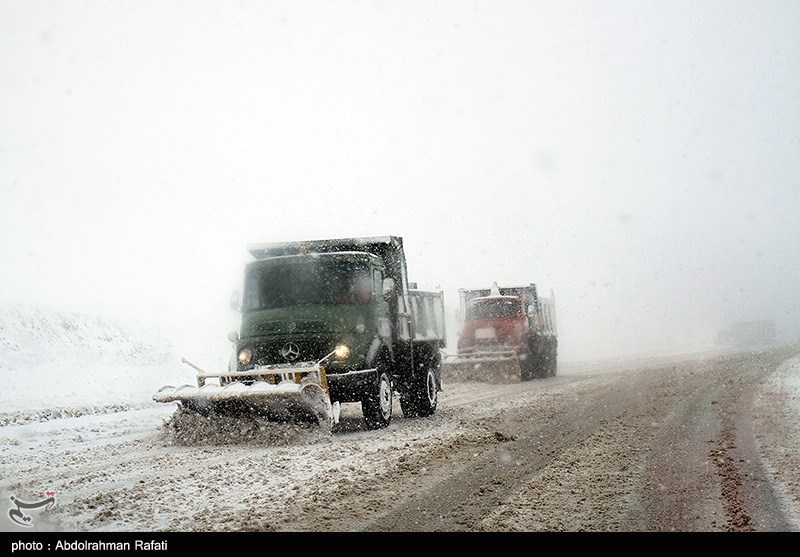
x=486 y=367
x=279 y=394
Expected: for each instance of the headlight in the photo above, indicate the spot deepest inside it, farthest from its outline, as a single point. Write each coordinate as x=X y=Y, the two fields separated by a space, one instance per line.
x=341 y=351
x=245 y=356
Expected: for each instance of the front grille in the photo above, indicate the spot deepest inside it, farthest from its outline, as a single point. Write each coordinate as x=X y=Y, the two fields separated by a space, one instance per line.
x=308 y=351
x=290 y=327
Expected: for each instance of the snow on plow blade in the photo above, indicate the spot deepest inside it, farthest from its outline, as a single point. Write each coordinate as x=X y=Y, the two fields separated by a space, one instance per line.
x=275 y=394
x=487 y=367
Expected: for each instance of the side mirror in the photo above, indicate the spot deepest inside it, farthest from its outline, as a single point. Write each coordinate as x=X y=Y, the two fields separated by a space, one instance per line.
x=388 y=287
x=235 y=303
x=233 y=336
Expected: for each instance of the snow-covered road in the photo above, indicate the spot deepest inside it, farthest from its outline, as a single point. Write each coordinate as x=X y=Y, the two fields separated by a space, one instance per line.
x=696 y=442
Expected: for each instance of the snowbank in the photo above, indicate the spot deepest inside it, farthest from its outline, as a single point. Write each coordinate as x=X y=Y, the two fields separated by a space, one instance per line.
x=56 y=364
x=32 y=336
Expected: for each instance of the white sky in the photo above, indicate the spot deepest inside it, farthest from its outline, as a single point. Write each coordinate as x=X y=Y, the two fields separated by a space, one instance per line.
x=638 y=158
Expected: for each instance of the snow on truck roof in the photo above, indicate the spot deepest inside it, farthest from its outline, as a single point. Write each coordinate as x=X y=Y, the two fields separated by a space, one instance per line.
x=517 y=290
x=500 y=297
x=365 y=255
x=270 y=249
x=513 y=287
x=388 y=248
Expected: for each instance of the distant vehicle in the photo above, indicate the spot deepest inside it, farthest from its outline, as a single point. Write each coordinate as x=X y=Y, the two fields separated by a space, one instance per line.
x=510 y=328
x=326 y=322
x=749 y=333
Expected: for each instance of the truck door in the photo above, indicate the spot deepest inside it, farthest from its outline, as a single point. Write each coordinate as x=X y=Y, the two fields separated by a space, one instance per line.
x=404 y=328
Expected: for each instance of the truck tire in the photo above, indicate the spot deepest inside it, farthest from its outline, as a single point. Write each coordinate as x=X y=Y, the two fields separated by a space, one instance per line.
x=524 y=367
x=553 y=367
x=376 y=406
x=527 y=364
x=422 y=396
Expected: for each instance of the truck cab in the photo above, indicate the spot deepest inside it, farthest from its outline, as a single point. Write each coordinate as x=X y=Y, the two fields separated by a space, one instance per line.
x=494 y=323
x=298 y=308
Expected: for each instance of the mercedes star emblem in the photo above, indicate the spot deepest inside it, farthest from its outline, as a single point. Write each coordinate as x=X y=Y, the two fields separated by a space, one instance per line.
x=290 y=351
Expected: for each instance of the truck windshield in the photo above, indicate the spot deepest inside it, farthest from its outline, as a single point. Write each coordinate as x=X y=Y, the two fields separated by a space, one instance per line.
x=312 y=282
x=494 y=308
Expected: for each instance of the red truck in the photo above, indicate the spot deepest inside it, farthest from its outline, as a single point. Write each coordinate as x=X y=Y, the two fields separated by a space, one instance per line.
x=511 y=329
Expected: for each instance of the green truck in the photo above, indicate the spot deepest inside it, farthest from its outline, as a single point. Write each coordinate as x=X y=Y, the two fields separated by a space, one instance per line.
x=326 y=322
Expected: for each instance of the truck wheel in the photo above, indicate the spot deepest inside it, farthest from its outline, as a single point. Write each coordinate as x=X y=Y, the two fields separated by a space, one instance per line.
x=553 y=367
x=537 y=365
x=376 y=406
x=527 y=365
x=423 y=396
x=544 y=365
